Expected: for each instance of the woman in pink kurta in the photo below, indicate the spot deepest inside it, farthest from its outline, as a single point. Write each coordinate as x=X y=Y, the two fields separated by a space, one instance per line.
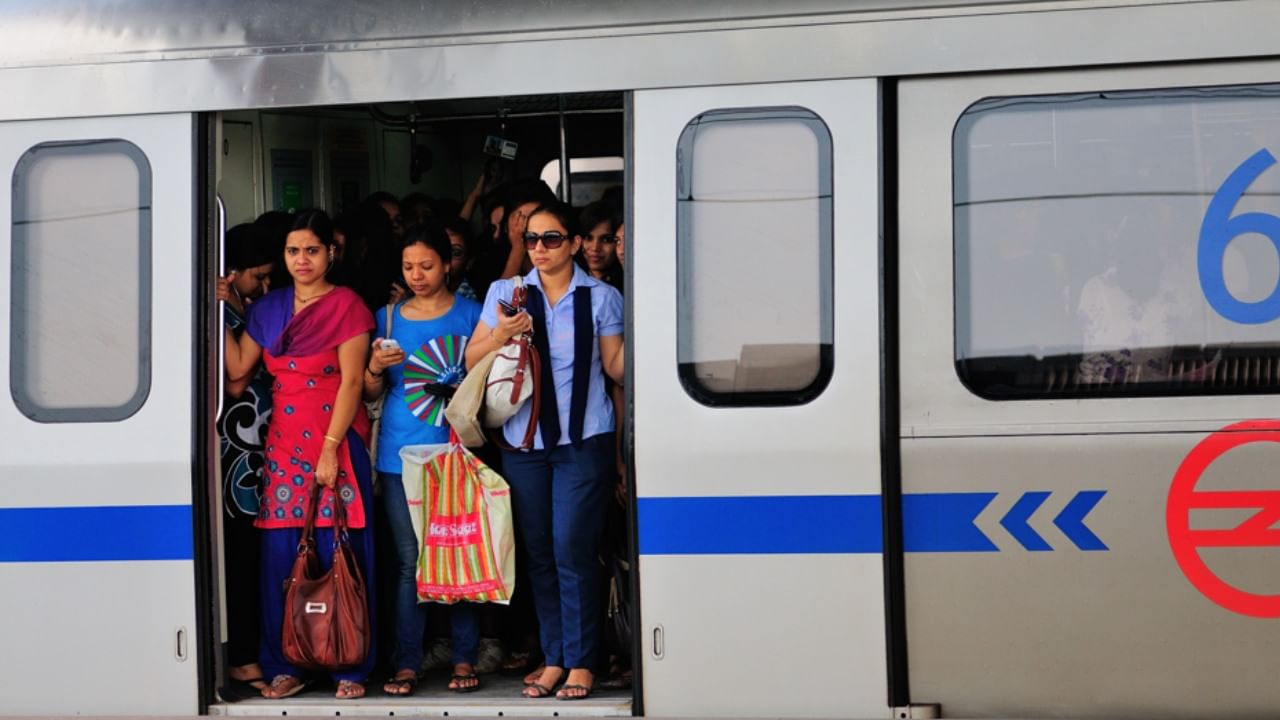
x=312 y=338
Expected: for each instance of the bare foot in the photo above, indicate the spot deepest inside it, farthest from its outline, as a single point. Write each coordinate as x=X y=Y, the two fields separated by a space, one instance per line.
x=532 y=677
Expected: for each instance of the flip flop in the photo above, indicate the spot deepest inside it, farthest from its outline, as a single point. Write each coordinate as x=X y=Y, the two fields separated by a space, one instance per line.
x=287 y=692
x=455 y=679
x=345 y=689
x=536 y=691
x=574 y=686
x=404 y=686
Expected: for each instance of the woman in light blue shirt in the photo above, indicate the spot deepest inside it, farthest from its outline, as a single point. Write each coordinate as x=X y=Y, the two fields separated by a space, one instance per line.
x=561 y=486
x=429 y=334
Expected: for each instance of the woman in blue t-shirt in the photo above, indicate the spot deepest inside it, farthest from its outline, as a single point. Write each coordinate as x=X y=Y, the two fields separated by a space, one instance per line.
x=429 y=333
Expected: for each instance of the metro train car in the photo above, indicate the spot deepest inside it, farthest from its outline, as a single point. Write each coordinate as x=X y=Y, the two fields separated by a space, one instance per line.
x=952 y=332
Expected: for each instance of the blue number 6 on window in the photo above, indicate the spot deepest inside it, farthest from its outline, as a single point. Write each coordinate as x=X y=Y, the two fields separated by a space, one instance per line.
x=1218 y=229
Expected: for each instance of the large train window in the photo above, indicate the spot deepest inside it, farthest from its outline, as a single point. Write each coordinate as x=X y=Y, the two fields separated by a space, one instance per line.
x=1119 y=244
x=80 y=321
x=754 y=245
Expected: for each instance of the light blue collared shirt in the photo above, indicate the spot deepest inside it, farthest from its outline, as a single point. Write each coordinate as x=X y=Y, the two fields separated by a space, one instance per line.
x=607 y=318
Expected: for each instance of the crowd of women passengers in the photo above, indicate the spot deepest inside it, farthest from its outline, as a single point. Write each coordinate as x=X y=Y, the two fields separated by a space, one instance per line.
x=308 y=301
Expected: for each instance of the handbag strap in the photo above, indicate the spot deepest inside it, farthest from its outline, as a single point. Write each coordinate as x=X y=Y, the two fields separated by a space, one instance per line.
x=308 y=537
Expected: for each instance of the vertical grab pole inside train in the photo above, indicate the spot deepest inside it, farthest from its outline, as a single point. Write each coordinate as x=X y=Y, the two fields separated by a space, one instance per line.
x=565 y=194
x=221 y=333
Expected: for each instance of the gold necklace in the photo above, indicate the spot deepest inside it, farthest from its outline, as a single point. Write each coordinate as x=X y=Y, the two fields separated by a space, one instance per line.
x=304 y=301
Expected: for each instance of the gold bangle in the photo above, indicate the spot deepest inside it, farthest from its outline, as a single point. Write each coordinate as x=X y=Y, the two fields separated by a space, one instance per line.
x=335 y=440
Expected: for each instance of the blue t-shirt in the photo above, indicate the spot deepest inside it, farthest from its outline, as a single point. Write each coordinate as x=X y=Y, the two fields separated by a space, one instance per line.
x=434 y=352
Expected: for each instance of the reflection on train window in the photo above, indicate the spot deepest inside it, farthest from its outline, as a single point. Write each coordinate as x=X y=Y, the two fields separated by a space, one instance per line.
x=80 y=318
x=754 y=256
x=1077 y=227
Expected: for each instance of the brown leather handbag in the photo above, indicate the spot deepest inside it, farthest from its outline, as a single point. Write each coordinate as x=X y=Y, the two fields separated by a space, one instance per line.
x=326 y=614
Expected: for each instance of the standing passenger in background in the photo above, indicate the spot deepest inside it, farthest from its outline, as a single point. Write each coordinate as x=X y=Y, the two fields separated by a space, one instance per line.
x=430 y=332
x=560 y=488
x=391 y=206
x=459 y=257
x=313 y=338
x=506 y=259
x=242 y=430
x=599 y=243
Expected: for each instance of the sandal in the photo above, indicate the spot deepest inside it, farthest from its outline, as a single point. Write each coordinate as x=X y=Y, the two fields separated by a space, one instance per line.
x=536 y=689
x=401 y=685
x=283 y=686
x=572 y=688
x=455 y=683
x=349 y=690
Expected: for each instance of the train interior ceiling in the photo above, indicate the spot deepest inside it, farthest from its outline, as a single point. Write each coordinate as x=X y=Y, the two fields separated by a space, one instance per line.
x=335 y=157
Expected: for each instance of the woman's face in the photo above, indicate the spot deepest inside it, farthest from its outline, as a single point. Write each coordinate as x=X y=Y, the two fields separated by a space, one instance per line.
x=517 y=223
x=621 y=245
x=545 y=259
x=458 y=256
x=424 y=269
x=598 y=248
x=252 y=283
x=495 y=223
x=306 y=258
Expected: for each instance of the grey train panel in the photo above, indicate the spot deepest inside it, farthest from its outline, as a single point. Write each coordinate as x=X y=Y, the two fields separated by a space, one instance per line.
x=907 y=42
x=70 y=31
x=1078 y=633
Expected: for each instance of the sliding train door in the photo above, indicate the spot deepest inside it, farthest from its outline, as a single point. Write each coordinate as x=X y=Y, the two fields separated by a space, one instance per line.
x=1090 y=344
x=97 y=611
x=753 y=261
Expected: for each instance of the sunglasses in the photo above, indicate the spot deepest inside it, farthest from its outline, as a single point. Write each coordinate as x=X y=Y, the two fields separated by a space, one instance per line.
x=551 y=239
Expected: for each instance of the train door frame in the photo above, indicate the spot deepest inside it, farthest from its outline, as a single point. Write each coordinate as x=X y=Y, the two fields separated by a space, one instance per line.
x=214 y=228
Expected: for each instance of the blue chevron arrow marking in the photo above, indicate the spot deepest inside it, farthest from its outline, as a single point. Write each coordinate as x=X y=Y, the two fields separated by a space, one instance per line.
x=1071 y=520
x=1015 y=521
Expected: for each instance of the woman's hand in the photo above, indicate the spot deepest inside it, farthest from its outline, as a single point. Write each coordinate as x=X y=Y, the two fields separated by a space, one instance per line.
x=510 y=326
x=380 y=360
x=327 y=465
x=223 y=290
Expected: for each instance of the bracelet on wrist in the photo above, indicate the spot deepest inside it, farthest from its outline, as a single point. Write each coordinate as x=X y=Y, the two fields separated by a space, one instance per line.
x=374 y=374
x=332 y=439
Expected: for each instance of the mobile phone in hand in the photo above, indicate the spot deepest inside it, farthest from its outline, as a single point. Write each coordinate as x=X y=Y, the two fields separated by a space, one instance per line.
x=507 y=308
x=389 y=344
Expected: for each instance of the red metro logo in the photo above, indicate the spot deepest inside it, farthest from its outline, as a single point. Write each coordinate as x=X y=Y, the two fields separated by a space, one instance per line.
x=1256 y=531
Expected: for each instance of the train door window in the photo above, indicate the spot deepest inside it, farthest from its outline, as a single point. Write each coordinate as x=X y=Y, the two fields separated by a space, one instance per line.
x=1118 y=243
x=81 y=279
x=754 y=256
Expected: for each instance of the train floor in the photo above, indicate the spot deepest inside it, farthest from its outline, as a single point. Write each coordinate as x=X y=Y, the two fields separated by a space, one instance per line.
x=498 y=696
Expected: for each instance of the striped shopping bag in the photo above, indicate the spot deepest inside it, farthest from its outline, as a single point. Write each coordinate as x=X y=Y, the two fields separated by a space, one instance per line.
x=468 y=545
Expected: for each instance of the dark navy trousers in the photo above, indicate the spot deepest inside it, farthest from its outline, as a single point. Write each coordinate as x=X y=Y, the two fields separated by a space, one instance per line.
x=280 y=547
x=559 y=498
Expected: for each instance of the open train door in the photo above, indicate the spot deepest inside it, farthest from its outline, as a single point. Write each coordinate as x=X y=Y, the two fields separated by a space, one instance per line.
x=756 y=397
x=96 y=521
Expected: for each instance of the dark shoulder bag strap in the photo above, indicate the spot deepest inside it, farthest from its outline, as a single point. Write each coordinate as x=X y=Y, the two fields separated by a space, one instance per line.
x=547 y=411
x=584 y=334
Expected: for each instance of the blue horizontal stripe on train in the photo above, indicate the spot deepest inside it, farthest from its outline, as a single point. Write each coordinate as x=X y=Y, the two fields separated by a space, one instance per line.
x=793 y=524
x=810 y=524
x=95 y=534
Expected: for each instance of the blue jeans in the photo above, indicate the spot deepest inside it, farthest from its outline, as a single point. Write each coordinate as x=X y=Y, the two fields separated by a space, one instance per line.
x=559 y=498
x=410 y=615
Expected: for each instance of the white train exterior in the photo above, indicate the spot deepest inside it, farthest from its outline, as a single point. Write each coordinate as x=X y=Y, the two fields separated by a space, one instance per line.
x=908 y=481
